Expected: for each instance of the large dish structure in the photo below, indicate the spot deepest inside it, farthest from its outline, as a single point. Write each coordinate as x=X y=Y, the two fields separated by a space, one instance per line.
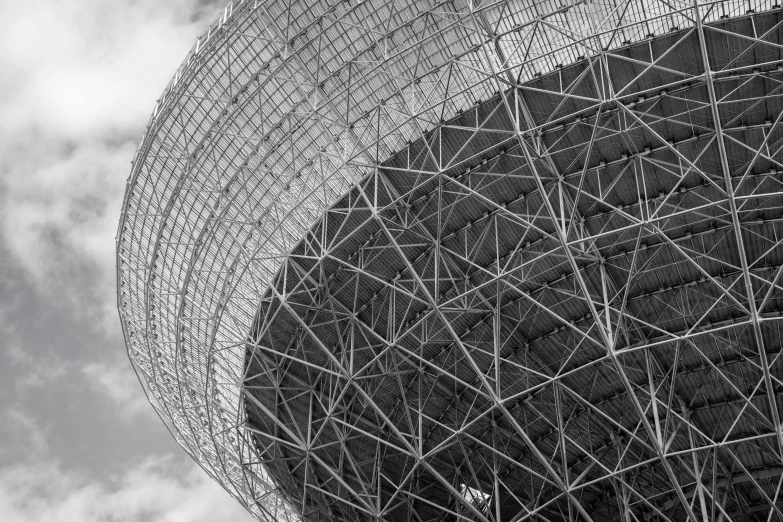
x=468 y=260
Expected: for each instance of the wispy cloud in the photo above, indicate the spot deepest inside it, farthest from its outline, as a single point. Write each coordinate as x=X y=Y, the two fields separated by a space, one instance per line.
x=79 y=81
x=109 y=376
x=38 y=488
x=155 y=490
x=29 y=438
x=119 y=386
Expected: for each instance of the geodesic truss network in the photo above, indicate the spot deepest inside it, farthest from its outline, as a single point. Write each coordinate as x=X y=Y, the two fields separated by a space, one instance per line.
x=468 y=260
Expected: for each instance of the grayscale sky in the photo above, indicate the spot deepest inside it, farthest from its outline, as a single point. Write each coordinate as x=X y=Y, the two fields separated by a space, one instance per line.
x=78 y=441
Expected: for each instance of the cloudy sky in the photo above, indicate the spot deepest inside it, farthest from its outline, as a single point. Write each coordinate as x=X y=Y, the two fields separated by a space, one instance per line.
x=78 y=442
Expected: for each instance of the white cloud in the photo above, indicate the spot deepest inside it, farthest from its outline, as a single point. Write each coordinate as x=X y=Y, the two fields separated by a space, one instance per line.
x=118 y=384
x=30 y=373
x=59 y=217
x=109 y=377
x=79 y=81
x=83 y=67
x=163 y=488
x=21 y=428
x=156 y=489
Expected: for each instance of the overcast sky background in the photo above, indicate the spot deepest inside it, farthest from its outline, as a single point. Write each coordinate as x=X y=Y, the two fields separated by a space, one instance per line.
x=78 y=441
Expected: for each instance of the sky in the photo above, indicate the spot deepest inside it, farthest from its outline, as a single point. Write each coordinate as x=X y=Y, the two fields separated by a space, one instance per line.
x=78 y=441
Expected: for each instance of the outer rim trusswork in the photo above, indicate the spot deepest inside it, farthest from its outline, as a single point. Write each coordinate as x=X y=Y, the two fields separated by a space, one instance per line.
x=279 y=109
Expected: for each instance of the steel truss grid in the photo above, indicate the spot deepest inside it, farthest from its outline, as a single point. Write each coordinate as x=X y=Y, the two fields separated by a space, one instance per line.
x=285 y=111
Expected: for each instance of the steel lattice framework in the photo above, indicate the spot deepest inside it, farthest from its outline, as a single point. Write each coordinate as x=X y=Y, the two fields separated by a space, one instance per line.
x=462 y=260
